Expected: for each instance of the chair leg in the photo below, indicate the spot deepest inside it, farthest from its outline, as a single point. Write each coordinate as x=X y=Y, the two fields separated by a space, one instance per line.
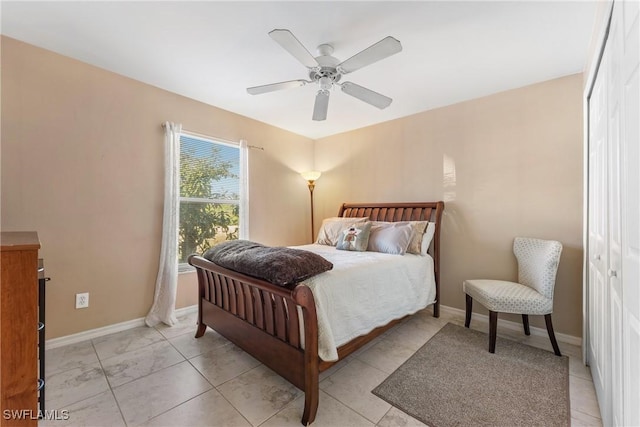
x=552 y=336
x=525 y=323
x=467 y=316
x=493 y=327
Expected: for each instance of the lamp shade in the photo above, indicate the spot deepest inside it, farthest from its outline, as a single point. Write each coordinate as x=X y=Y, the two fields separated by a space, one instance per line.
x=311 y=175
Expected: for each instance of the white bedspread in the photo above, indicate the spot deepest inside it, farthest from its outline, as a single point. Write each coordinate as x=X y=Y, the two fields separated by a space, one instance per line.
x=366 y=290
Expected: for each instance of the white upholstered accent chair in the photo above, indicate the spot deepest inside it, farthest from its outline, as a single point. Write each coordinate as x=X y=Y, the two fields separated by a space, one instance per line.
x=532 y=295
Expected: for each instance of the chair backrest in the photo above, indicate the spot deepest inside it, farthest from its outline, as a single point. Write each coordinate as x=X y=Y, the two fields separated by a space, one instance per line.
x=537 y=263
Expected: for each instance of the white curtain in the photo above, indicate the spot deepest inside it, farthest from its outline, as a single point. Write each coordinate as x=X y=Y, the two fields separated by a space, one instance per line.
x=164 y=300
x=244 y=190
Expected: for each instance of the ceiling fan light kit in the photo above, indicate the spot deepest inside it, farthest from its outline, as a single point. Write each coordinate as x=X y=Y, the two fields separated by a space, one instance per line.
x=326 y=71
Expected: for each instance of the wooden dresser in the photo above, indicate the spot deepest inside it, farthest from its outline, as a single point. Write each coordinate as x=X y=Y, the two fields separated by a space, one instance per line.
x=19 y=328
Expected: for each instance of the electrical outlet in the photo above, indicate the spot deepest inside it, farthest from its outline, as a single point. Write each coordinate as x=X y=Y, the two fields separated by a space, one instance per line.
x=82 y=300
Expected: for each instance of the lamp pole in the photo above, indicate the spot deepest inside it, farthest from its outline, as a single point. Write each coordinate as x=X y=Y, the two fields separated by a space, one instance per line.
x=311 y=178
x=311 y=187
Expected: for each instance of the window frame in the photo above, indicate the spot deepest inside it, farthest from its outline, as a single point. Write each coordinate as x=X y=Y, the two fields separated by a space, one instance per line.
x=184 y=267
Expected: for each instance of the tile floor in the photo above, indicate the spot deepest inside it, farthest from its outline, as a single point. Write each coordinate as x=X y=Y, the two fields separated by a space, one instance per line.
x=164 y=377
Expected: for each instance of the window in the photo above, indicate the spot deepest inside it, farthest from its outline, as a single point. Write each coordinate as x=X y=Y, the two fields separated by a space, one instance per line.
x=209 y=194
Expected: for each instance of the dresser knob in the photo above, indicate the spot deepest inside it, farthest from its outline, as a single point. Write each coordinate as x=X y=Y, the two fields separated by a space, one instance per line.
x=613 y=273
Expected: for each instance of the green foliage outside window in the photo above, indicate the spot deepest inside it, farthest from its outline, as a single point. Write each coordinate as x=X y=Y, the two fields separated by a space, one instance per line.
x=204 y=223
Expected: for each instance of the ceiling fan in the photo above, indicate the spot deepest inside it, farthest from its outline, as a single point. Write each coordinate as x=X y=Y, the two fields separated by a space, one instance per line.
x=326 y=71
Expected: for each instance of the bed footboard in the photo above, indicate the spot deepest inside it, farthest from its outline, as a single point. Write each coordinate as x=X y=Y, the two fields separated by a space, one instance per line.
x=263 y=319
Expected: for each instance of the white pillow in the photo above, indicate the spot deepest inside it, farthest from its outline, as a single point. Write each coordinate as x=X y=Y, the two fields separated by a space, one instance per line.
x=390 y=237
x=332 y=228
x=419 y=228
x=427 y=237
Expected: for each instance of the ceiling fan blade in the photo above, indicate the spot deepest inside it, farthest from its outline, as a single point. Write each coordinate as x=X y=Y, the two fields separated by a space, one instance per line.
x=291 y=44
x=366 y=95
x=321 y=106
x=386 y=47
x=257 y=90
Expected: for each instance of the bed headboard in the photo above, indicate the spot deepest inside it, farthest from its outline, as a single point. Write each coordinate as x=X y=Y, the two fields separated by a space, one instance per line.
x=392 y=212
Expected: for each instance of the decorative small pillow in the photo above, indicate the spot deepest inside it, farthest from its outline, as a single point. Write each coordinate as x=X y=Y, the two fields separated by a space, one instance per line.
x=390 y=237
x=355 y=238
x=419 y=228
x=428 y=236
x=332 y=228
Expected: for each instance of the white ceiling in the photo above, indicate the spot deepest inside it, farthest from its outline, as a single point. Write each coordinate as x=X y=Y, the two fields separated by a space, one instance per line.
x=213 y=51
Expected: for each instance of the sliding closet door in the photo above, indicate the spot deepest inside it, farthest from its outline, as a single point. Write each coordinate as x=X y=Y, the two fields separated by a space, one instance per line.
x=614 y=243
x=613 y=225
x=598 y=295
x=629 y=23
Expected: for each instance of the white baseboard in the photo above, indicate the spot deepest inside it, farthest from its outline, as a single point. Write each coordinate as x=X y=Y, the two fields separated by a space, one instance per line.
x=514 y=326
x=106 y=330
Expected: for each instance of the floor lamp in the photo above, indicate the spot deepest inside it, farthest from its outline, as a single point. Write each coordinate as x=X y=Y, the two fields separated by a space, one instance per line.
x=311 y=177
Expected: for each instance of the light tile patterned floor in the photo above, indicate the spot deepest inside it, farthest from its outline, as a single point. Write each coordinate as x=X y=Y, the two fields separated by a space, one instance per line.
x=164 y=377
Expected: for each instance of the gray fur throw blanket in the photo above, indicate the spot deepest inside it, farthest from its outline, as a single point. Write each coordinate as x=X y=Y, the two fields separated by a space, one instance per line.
x=278 y=265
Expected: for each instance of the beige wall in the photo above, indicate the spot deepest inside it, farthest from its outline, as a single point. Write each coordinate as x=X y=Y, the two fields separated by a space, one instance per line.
x=82 y=163
x=506 y=165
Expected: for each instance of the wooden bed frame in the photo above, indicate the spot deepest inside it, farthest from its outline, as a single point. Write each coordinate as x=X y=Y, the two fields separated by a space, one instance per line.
x=263 y=319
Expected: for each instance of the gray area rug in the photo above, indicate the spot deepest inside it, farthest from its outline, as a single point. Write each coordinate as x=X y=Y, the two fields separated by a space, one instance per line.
x=454 y=381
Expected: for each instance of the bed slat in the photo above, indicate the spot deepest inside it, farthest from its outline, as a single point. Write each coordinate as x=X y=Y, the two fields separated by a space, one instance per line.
x=212 y=288
x=205 y=288
x=240 y=294
x=233 y=304
x=269 y=322
x=257 y=306
x=208 y=278
x=217 y=293
x=390 y=214
x=248 y=303
x=224 y=284
x=281 y=325
x=294 y=325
